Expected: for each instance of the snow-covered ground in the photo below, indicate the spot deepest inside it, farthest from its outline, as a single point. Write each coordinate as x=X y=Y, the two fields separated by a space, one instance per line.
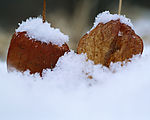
x=66 y=93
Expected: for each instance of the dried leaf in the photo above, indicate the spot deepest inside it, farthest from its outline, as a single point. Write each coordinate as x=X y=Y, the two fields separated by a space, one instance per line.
x=110 y=42
x=25 y=54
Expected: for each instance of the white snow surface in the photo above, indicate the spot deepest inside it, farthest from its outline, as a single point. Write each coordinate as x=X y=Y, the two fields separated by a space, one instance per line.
x=43 y=32
x=105 y=17
x=118 y=93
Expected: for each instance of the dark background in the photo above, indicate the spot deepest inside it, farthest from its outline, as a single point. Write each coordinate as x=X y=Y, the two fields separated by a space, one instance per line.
x=14 y=11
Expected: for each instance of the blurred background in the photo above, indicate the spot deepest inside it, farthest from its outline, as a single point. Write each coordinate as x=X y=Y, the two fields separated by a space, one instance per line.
x=73 y=17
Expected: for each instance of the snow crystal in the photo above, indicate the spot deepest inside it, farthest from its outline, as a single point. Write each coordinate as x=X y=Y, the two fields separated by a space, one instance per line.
x=105 y=17
x=43 y=32
x=69 y=93
x=120 y=33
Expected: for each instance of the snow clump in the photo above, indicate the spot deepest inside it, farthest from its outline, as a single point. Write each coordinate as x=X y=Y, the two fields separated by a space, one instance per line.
x=43 y=32
x=105 y=17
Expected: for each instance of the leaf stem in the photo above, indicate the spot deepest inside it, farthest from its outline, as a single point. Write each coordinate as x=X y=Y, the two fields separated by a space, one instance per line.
x=120 y=6
x=44 y=11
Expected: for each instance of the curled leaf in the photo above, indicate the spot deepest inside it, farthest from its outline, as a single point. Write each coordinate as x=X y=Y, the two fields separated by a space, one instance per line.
x=25 y=54
x=110 y=42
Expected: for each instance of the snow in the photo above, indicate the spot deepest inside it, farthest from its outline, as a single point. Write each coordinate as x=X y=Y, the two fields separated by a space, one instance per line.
x=66 y=93
x=105 y=17
x=43 y=32
x=120 y=33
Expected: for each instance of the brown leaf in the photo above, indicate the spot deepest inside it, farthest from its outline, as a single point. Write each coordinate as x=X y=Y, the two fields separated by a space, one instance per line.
x=110 y=42
x=25 y=54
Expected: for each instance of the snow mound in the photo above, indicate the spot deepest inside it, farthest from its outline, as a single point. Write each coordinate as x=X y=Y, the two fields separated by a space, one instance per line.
x=43 y=32
x=69 y=93
x=105 y=17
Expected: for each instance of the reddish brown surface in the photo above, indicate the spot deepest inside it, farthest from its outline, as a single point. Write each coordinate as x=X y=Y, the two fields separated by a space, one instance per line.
x=25 y=54
x=110 y=42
